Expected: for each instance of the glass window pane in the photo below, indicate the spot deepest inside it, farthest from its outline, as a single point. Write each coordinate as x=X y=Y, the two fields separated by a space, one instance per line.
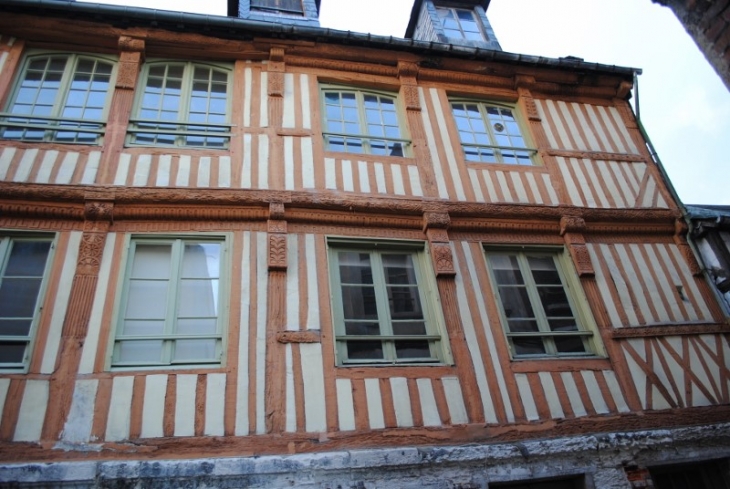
x=12 y=352
x=412 y=349
x=355 y=268
x=198 y=298
x=404 y=302
x=528 y=346
x=146 y=299
x=515 y=302
x=569 y=344
x=147 y=351
x=364 y=350
x=152 y=261
x=195 y=350
x=143 y=327
x=15 y=327
x=27 y=258
x=361 y=328
x=409 y=328
x=197 y=326
x=398 y=269
x=18 y=297
x=201 y=260
x=358 y=302
x=554 y=302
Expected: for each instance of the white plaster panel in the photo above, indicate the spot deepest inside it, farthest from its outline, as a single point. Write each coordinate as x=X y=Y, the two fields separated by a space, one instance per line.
x=401 y=402
x=26 y=165
x=32 y=411
x=164 y=169
x=594 y=392
x=290 y=410
x=455 y=400
x=375 y=404
x=261 y=316
x=292 y=282
x=576 y=403
x=215 y=403
x=120 y=409
x=183 y=171
x=315 y=409
x=53 y=340
x=142 y=170
x=345 y=405
x=185 y=405
x=5 y=159
x=153 y=410
x=313 y=318
x=551 y=395
x=432 y=147
x=429 y=410
x=44 y=173
x=528 y=401
x=242 y=389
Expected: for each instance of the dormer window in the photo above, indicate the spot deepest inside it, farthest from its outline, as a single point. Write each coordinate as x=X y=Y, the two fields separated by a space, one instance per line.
x=460 y=23
x=283 y=6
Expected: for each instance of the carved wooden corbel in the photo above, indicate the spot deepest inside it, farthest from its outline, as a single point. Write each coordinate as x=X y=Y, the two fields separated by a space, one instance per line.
x=435 y=225
x=276 y=68
x=131 y=55
x=572 y=229
x=277 y=229
x=408 y=74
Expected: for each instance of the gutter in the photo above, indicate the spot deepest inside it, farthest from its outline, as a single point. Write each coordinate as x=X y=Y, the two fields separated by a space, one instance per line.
x=230 y=27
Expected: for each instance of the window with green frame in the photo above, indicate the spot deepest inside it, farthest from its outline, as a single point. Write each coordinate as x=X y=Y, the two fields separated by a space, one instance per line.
x=23 y=268
x=385 y=310
x=172 y=303
x=59 y=97
x=182 y=104
x=539 y=311
x=491 y=133
x=361 y=121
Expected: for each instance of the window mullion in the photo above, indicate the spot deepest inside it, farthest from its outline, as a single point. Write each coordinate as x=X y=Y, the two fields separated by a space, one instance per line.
x=361 y=115
x=173 y=297
x=533 y=294
x=186 y=90
x=381 y=301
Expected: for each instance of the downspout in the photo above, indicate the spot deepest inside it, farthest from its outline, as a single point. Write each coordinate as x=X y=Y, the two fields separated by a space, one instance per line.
x=685 y=215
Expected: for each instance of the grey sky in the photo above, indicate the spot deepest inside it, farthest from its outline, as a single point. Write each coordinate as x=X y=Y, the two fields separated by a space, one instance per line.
x=685 y=108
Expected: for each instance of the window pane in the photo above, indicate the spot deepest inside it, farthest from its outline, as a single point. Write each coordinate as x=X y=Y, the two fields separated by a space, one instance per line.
x=143 y=327
x=195 y=350
x=515 y=302
x=147 y=299
x=506 y=269
x=569 y=344
x=409 y=327
x=152 y=261
x=27 y=258
x=14 y=327
x=198 y=298
x=404 y=303
x=360 y=328
x=364 y=350
x=528 y=346
x=12 y=352
x=554 y=302
x=412 y=349
x=398 y=269
x=18 y=297
x=355 y=268
x=147 y=351
x=522 y=326
x=359 y=302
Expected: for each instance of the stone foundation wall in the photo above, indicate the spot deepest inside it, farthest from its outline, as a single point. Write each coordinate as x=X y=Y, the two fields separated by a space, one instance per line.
x=605 y=461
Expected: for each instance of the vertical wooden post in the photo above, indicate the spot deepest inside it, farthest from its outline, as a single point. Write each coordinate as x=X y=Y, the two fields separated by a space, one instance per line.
x=98 y=216
x=435 y=225
x=131 y=56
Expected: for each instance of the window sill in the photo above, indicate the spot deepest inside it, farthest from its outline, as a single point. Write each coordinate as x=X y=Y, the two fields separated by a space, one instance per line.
x=482 y=165
x=387 y=371
x=560 y=364
x=341 y=155
x=203 y=368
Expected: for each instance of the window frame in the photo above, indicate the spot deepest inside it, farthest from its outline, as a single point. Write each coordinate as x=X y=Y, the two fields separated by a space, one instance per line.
x=278 y=8
x=5 y=238
x=579 y=305
x=453 y=11
x=366 y=139
x=52 y=125
x=225 y=240
x=524 y=133
x=180 y=132
x=429 y=297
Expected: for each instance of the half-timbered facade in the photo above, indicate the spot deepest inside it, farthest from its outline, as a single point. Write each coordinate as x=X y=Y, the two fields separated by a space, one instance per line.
x=241 y=252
